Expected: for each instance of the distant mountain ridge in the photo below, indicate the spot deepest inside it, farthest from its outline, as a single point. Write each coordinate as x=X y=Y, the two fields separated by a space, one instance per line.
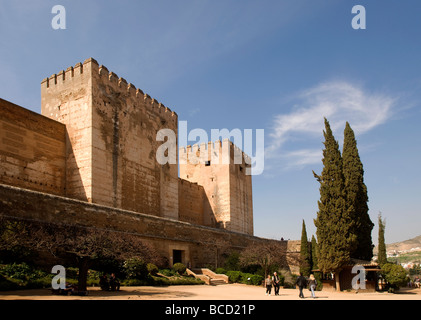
x=405 y=245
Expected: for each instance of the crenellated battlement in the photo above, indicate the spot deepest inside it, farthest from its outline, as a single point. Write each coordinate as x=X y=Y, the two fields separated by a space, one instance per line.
x=189 y=184
x=91 y=68
x=63 y=75
x=218 y=152
x=111 y=153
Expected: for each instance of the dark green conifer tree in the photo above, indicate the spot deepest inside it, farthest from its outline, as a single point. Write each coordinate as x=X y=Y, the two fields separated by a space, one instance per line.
x=305 y=261
x=381 y=256
x=314 y=263
x=356 y=196
x=334 y=223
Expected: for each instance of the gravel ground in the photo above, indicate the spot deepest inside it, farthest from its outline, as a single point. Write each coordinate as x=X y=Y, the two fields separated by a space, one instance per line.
x=204 y=292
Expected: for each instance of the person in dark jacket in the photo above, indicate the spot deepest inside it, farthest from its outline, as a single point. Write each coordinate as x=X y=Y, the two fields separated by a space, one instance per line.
x=301 y=283
x=114 y=283
x=103 y=283
x=276 y=283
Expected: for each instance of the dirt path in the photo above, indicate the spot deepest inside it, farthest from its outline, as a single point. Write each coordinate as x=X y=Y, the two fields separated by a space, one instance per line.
x=204 y=292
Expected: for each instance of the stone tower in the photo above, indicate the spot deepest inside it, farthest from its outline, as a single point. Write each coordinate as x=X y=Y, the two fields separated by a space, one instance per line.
x=111 y=140
x=227 y=186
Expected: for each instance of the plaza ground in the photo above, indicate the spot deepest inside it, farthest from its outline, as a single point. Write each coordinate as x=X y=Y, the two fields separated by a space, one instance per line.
x=204 y=292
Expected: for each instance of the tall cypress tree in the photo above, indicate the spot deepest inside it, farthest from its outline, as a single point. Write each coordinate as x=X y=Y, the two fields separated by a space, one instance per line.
x=314 y=262
x=381 y=256
x=356 y=196
x=334 y=223
x=305 y=262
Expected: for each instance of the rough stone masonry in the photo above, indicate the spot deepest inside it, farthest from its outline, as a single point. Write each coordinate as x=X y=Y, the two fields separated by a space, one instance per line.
x=91 y=156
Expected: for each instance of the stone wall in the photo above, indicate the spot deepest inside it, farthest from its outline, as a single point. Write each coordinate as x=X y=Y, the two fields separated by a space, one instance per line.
x=191 y=198
x=32 y=150
x=67 y=98
x=198 y=244
x=226 y=185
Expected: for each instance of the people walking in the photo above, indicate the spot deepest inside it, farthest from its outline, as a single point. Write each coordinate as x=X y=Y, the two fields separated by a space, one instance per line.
x=313 y=285
x=103 y=283
x=268 y=283
x=301 y=283
x=276 y=283
x=114 y=283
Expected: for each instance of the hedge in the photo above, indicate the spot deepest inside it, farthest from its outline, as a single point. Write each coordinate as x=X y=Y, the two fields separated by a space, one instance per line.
x=246 y=278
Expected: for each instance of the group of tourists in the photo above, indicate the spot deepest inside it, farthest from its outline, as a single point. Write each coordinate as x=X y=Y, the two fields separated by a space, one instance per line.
x=301 y=282
x=111 y=284
x=414 y=283
x=272 y=281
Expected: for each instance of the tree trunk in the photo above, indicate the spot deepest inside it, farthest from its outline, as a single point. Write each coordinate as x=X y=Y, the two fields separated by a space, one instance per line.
x=337 y=281
x=83 y=273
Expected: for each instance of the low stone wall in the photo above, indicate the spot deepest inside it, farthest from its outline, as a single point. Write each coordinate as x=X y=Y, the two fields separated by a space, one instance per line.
x=198 y=243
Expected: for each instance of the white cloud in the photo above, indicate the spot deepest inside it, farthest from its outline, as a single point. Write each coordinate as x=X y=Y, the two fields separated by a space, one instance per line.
x=338 y=102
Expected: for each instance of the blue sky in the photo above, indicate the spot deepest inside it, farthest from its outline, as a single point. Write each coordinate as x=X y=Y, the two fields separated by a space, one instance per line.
x=279 y=65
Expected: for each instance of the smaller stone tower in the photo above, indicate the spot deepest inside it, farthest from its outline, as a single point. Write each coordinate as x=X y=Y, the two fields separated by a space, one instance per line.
x=227 y=186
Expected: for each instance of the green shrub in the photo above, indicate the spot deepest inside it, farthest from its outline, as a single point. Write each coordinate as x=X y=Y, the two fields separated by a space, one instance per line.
x=94 y=275
x=232 y=262
x=234 y=276
x=148 y=281
x=185 y=281
x=253 y=279
x=220 y=271
x=72 y=272
x=44 y=282
x=395 y=275
x=160 y=281
x=152 y=269
x=318 y=276
x=167 y=272
x=9 y=284
x=179 y=268
x=135 y=268
x=21 y=271
x=243 y=277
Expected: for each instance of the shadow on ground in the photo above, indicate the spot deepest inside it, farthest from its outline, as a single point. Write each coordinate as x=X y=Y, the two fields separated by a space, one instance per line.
x=98 y=294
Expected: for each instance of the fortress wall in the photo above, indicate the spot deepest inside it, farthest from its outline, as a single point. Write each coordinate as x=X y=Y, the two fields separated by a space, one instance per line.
x=32 y=150
x=213 y=177
x=241 y=200
x=198 y=243
x=66 y=98
x=125 y=124
x=191 y=197
x=227 y=187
